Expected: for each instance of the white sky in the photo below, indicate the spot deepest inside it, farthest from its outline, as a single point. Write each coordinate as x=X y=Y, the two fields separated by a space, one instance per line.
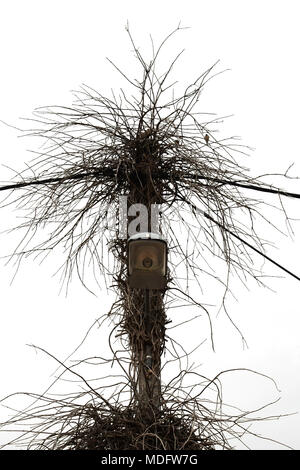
x=50 y=48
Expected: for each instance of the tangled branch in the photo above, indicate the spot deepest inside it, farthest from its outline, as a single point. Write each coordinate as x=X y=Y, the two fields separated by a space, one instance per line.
x=153 y=148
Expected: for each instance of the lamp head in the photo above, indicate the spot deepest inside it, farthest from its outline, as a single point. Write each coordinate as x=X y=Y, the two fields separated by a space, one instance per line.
x=147 y=261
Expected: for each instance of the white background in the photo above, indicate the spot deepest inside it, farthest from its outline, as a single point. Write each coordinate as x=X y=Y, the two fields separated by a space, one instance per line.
x=50 y=48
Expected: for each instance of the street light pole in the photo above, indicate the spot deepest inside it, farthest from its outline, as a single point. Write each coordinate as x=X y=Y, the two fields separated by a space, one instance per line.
x=147 y=265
